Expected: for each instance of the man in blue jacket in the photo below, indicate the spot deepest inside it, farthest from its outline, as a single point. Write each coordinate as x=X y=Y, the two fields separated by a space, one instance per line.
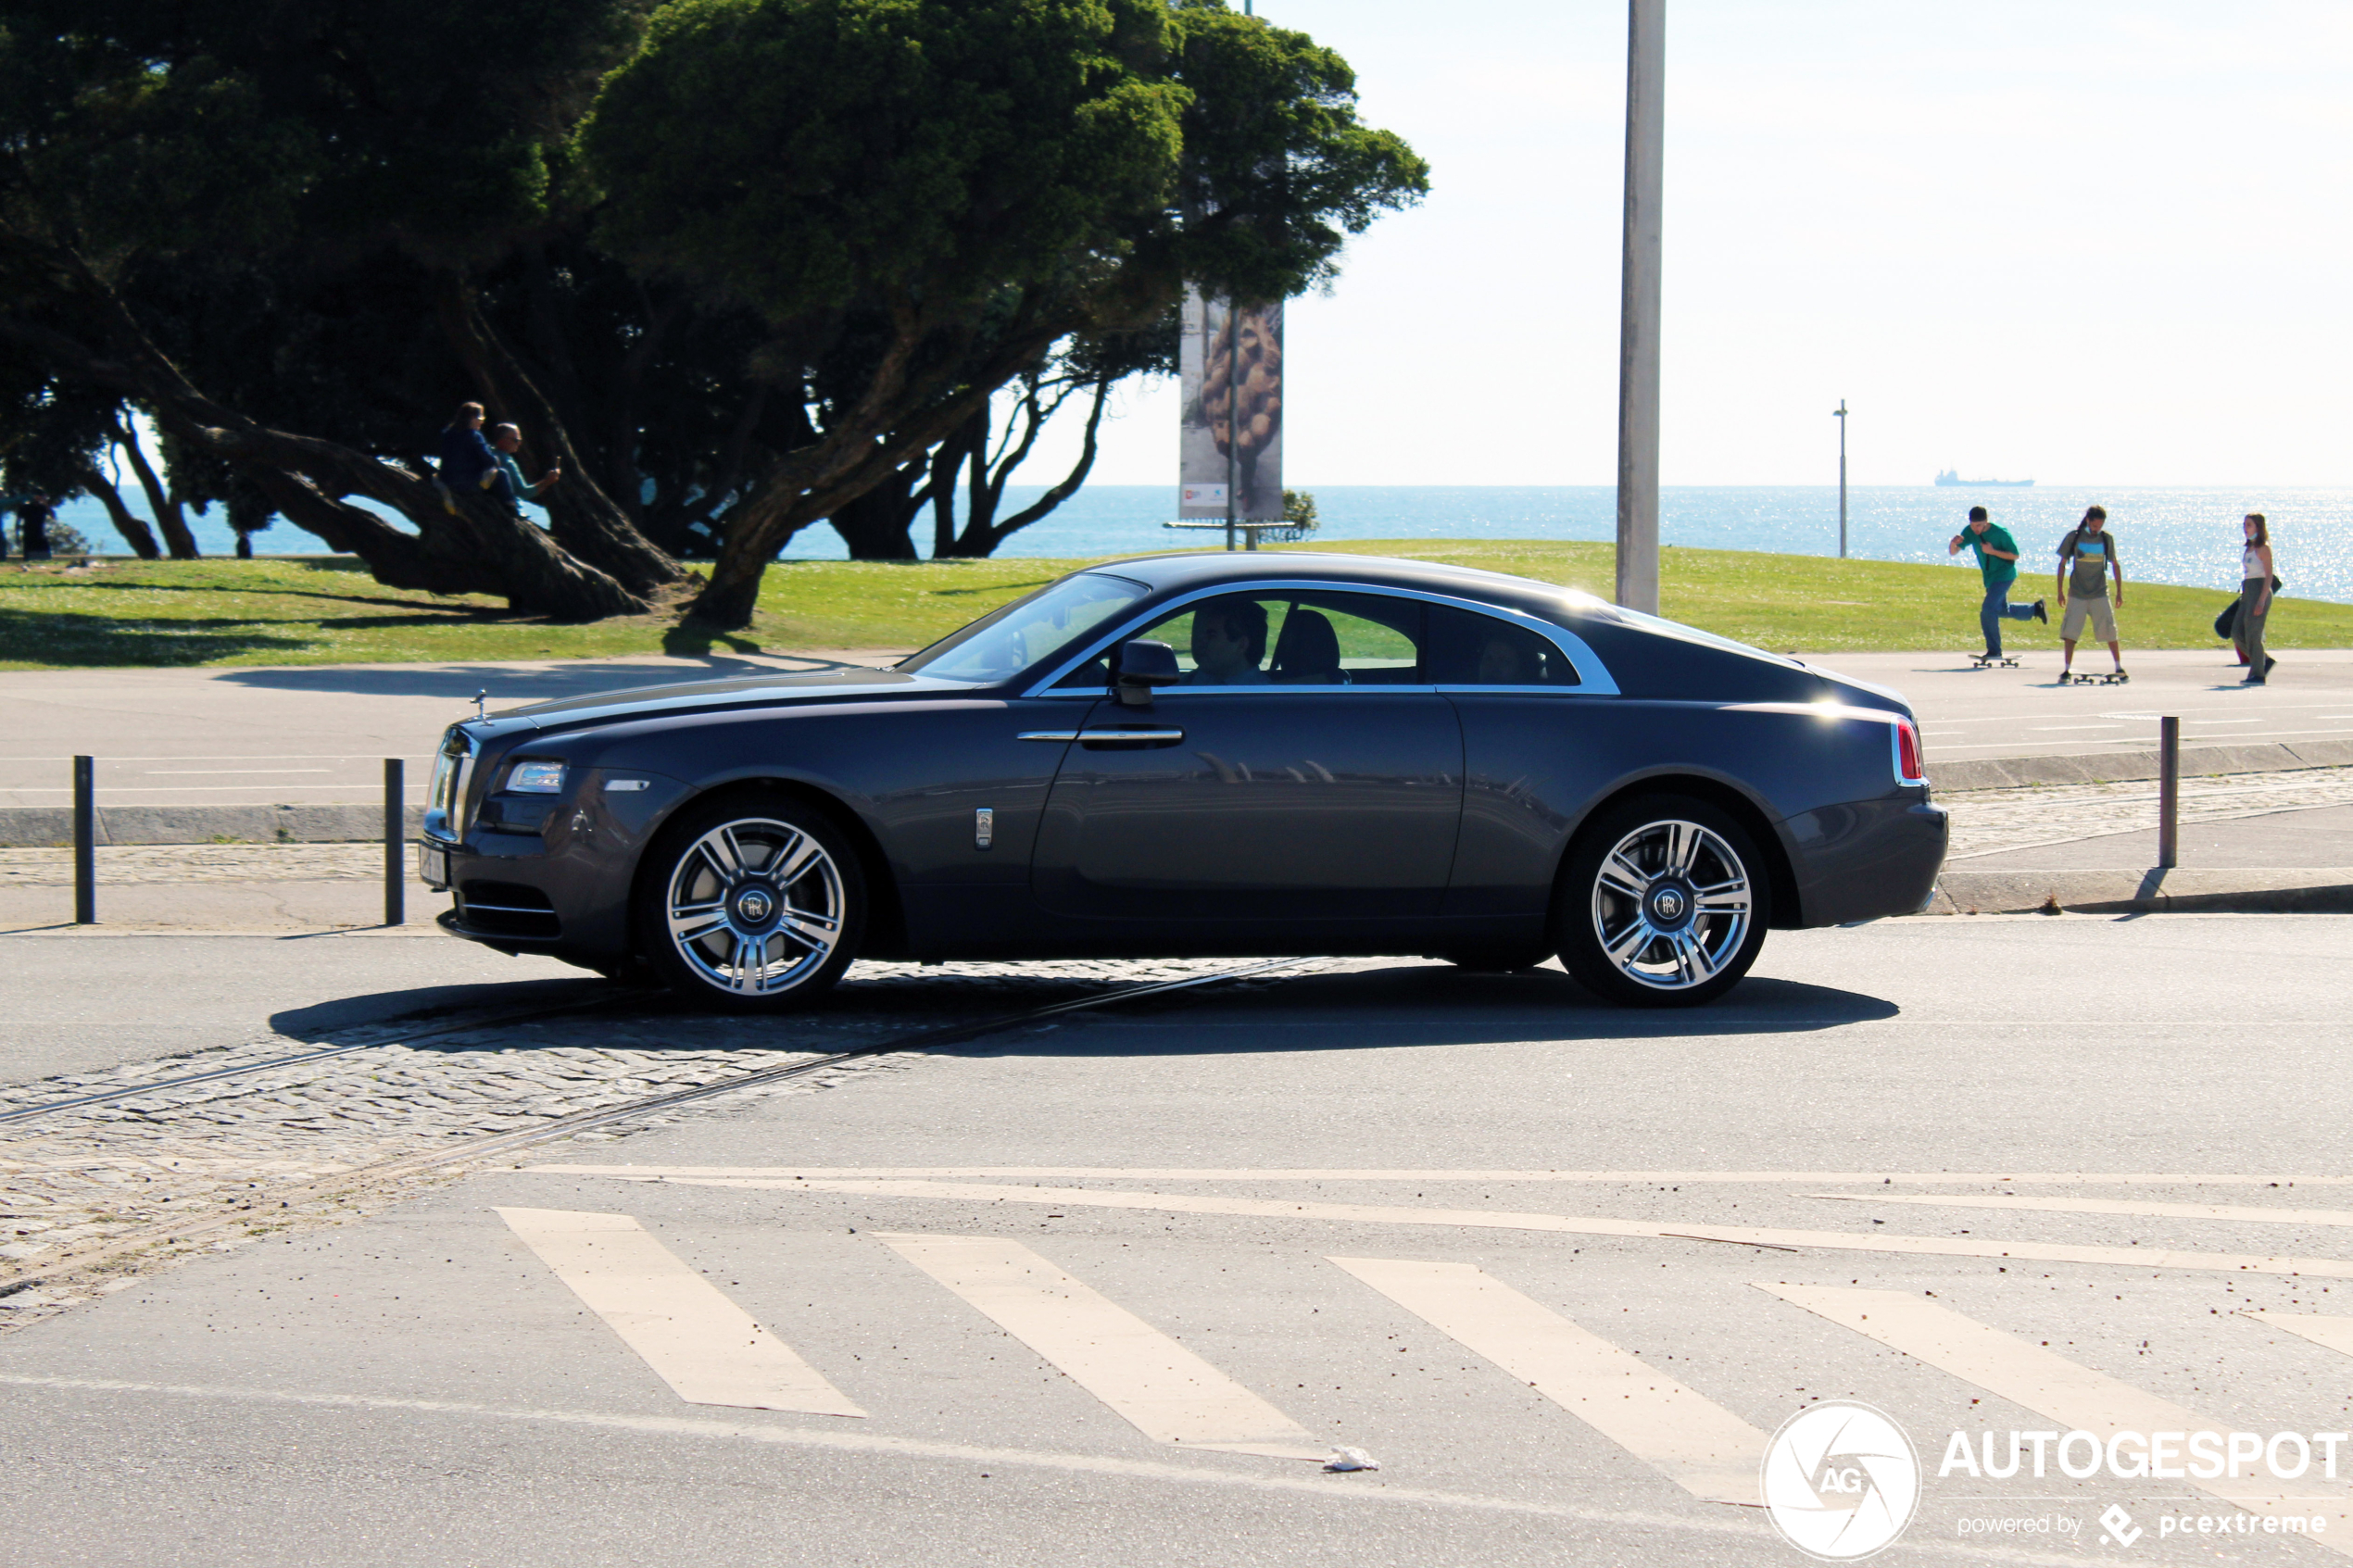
x=467 y=462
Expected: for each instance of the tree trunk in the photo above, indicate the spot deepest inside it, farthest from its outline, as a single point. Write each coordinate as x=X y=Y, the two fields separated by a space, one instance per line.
x=584 y=519
x=879 y=525
x=169 y=514
x=479 y=549
x=982 y=535
x=463 y=544
x=903 y=415
x=135 y=531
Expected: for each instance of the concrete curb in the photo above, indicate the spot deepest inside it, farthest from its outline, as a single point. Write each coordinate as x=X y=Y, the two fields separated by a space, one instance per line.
x=2106 y=767
x=42 y=826
x=2317 y=890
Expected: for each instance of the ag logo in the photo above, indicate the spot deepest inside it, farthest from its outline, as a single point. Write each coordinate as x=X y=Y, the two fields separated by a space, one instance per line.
x=1840 y=1482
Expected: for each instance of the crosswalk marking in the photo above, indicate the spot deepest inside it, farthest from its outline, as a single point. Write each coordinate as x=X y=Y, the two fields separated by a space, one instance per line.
x=2234 y=1211
x=1164 y=1390
x=1571 y=1224
x=1699 y=1445
x=2335 y=1332
x=705 y=1347
x=2049 y=1385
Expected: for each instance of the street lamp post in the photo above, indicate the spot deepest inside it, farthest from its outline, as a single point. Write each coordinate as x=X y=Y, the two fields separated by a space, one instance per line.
x=1233 y=395
x=1638 y=316
x=1840 y=413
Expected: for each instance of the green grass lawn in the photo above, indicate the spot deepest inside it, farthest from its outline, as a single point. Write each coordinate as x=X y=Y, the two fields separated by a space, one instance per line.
x=231 y=612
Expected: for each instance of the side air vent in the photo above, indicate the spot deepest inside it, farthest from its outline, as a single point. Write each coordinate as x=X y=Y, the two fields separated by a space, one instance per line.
x=507 y=909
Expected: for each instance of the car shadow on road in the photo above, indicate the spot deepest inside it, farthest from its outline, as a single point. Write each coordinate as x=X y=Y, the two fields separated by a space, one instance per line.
x=991 y=1013
x=1426 y=1004
x=391 y=1014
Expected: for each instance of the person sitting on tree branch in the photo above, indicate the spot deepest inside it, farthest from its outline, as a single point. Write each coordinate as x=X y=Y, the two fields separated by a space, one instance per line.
x=467 y=462
x=506 y=441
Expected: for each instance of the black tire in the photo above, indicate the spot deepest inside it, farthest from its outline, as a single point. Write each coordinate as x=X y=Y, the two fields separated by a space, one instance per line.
x=750 y=902
x=1664 y=903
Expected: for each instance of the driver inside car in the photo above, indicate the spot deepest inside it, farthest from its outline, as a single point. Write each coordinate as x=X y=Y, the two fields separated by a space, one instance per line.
x=1229 y=639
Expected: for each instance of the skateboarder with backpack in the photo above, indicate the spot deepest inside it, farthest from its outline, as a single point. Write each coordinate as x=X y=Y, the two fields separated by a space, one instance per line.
x=1997 y=559
x=2086 y=556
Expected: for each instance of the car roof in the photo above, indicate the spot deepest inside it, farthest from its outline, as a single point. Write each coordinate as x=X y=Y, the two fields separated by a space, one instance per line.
x=1201 y=569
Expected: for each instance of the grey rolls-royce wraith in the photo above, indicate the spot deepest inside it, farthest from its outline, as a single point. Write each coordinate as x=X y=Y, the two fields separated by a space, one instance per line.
x=1211 y=753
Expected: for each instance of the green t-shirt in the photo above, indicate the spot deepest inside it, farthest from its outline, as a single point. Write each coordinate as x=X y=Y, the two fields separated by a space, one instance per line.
x=1998 y=570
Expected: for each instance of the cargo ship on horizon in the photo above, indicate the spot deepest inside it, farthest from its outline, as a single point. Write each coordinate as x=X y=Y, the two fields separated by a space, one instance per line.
x=1949 y=477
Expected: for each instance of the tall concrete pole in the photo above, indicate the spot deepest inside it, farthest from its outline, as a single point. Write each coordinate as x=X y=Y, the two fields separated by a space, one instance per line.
x=1841 y=412
x=1639 y=307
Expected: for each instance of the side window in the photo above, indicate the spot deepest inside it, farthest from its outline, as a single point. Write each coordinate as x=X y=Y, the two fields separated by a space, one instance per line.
x=1283 y=638
x=1467 y=649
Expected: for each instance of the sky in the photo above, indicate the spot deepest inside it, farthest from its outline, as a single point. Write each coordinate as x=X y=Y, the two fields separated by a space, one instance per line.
x=2087 y=242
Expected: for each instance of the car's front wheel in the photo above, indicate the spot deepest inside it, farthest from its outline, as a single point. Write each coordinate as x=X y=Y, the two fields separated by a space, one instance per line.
x=1664 y=903
x=754 y=903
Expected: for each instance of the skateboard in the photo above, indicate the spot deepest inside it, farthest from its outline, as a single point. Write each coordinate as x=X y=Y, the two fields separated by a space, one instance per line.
x=2113 y=678
x=1988 y=661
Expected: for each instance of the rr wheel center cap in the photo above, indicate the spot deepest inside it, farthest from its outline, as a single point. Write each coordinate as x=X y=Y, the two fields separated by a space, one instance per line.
x=754 y=905
x=1669 y=904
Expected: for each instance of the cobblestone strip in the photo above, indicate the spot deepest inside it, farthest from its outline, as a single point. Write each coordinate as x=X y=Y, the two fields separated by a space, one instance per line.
x=1986 y=821
x=175 y=863
x=241 y=1146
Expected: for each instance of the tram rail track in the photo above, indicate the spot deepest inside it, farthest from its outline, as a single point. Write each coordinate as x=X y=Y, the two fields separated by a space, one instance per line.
x=301 y=1059
x=348 y=1186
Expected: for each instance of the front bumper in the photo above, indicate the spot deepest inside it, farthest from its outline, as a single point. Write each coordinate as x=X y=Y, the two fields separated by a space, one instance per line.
x=564 y=889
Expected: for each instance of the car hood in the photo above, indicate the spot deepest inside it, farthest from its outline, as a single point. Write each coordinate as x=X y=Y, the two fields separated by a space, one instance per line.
x=737 y=691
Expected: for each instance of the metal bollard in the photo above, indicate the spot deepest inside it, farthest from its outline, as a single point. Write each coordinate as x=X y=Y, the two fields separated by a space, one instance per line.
x=395 y=845
x=2169 y=790
x=85 y=841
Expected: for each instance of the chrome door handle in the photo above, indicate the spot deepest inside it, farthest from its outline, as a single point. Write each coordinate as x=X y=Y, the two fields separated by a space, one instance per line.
x=1047 y=734
x=1130 y=737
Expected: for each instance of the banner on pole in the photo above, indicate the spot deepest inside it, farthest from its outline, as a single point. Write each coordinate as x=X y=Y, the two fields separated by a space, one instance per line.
x=1232 y=384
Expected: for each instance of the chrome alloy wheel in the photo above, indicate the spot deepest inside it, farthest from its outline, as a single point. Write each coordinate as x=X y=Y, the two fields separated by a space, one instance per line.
x=754 y=907
x=1672 y=905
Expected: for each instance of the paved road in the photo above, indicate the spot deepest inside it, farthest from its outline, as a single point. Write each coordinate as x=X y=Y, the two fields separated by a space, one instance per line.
x=1025 y=1300
x=1969 y=713
x=313 y=734
x=75 y=1002
x=317 y=735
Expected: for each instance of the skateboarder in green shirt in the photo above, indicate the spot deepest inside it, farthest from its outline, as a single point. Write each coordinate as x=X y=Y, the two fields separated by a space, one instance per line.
x=1997 y=559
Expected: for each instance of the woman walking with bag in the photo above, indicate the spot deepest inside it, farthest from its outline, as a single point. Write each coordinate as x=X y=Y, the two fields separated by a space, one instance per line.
x=2255 y=599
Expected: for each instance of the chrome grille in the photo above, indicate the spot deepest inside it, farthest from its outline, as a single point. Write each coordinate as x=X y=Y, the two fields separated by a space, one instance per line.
x=452 y=771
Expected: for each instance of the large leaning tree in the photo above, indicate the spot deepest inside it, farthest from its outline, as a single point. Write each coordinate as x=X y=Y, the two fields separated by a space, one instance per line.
x=263 y=226
x=733 y=268
x=961 y=184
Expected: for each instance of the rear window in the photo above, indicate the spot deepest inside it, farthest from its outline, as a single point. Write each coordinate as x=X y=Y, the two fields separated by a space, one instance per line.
x=1469 y=649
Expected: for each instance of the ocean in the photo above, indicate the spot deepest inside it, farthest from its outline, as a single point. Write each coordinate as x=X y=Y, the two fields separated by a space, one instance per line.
x=2186 y=535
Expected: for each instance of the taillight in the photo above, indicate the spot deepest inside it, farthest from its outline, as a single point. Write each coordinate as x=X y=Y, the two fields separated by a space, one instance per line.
x=1910 y=767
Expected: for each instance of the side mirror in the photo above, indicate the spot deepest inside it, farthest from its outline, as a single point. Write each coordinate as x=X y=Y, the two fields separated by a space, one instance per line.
x=1144 y=664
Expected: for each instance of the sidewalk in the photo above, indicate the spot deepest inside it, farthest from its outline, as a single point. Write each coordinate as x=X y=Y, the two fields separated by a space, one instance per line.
x=2298 y=861
x=2052 y=787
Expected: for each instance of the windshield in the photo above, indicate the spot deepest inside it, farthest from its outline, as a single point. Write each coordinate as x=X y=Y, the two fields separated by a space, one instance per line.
x=1028 y=631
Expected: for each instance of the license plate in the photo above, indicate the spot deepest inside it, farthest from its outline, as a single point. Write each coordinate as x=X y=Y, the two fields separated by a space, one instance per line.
x=433 y=865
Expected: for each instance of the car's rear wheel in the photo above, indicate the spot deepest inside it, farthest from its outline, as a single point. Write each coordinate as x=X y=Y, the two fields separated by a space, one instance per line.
x=753 y=903
x=1664 y=903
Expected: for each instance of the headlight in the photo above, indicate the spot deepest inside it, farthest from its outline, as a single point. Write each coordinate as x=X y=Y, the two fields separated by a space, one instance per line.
x=536 y=778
